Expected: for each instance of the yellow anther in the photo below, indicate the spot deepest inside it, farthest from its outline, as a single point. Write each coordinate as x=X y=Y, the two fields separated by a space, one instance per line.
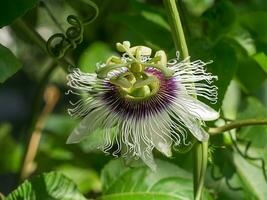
x=163 y=57
x=126 y=44
x=120 y=47
x=114 y=60
x=144 y=51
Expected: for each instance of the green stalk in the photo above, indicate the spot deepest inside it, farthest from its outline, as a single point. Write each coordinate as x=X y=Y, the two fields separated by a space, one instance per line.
x=176 y=26
x=237 y=124
x=200 y=165
x=201 y=148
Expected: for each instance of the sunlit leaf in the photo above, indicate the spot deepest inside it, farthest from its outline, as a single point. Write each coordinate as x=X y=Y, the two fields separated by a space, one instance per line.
x=52 y=185
x=261 y=59
x=169 y=182
x=250 y=171
x=244 y=39
x=218 y=181
x=252 y=177
x=86 y=179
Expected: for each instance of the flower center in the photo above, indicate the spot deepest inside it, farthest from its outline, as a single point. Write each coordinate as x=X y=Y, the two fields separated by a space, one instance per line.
x=136 y=85
x=149 y=92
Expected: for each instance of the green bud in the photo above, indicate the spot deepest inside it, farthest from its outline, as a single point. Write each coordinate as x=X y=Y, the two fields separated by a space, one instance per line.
x=147 y=81
x=141 y=92
x=136 y=67
x=121 y=82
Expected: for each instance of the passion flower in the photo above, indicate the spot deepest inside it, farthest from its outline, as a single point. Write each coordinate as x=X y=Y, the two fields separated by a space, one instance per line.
x=142 y=102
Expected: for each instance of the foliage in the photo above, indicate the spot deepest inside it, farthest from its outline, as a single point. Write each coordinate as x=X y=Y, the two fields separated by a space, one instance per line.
x=9 y=64
x=50 y=185
x=231 y=33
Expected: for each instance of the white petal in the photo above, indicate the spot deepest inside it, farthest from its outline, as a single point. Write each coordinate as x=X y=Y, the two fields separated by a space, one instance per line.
x=148 y=159
x=160 y=129
x=197 y=108
x=191 y=123
x=89 y=124
x=142 y=145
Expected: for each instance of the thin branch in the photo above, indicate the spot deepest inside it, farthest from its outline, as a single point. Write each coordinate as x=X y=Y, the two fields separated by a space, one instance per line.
x=2 y=197
x=51 y=96
x=237 y=124
x=36 y=109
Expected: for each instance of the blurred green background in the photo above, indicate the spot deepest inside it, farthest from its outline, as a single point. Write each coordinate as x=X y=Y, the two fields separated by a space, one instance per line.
x=232 y=33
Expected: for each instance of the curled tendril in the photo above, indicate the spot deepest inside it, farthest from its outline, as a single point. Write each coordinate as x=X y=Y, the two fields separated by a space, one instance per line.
x=58 y=44
x=246 y=156
x=221 y=175
x=227 y=181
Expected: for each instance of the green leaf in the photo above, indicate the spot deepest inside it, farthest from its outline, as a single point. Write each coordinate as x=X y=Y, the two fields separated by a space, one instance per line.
x=86 y=179
x=9 y=64
x=152 y=13
x=169 y=182
x=151 y=33
x=96 y=52
x=257 y=134
x=247 y=67
x=261 y=59
x=252 y=177
x=243 y=39
x=12 y=9
x=251 y=171
x=256 y=22
x=11 y=151
x=219 y=20
x=198 y=7
x=224 y=66
x=52 y=185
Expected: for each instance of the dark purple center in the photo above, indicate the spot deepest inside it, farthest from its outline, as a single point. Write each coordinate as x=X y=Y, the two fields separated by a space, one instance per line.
x=140 y=108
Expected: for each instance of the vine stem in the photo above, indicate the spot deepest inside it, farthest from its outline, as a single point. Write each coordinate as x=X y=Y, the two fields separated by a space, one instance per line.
x=37 y=39
x=176 y=26
x=236 y=124
x=201 y=148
